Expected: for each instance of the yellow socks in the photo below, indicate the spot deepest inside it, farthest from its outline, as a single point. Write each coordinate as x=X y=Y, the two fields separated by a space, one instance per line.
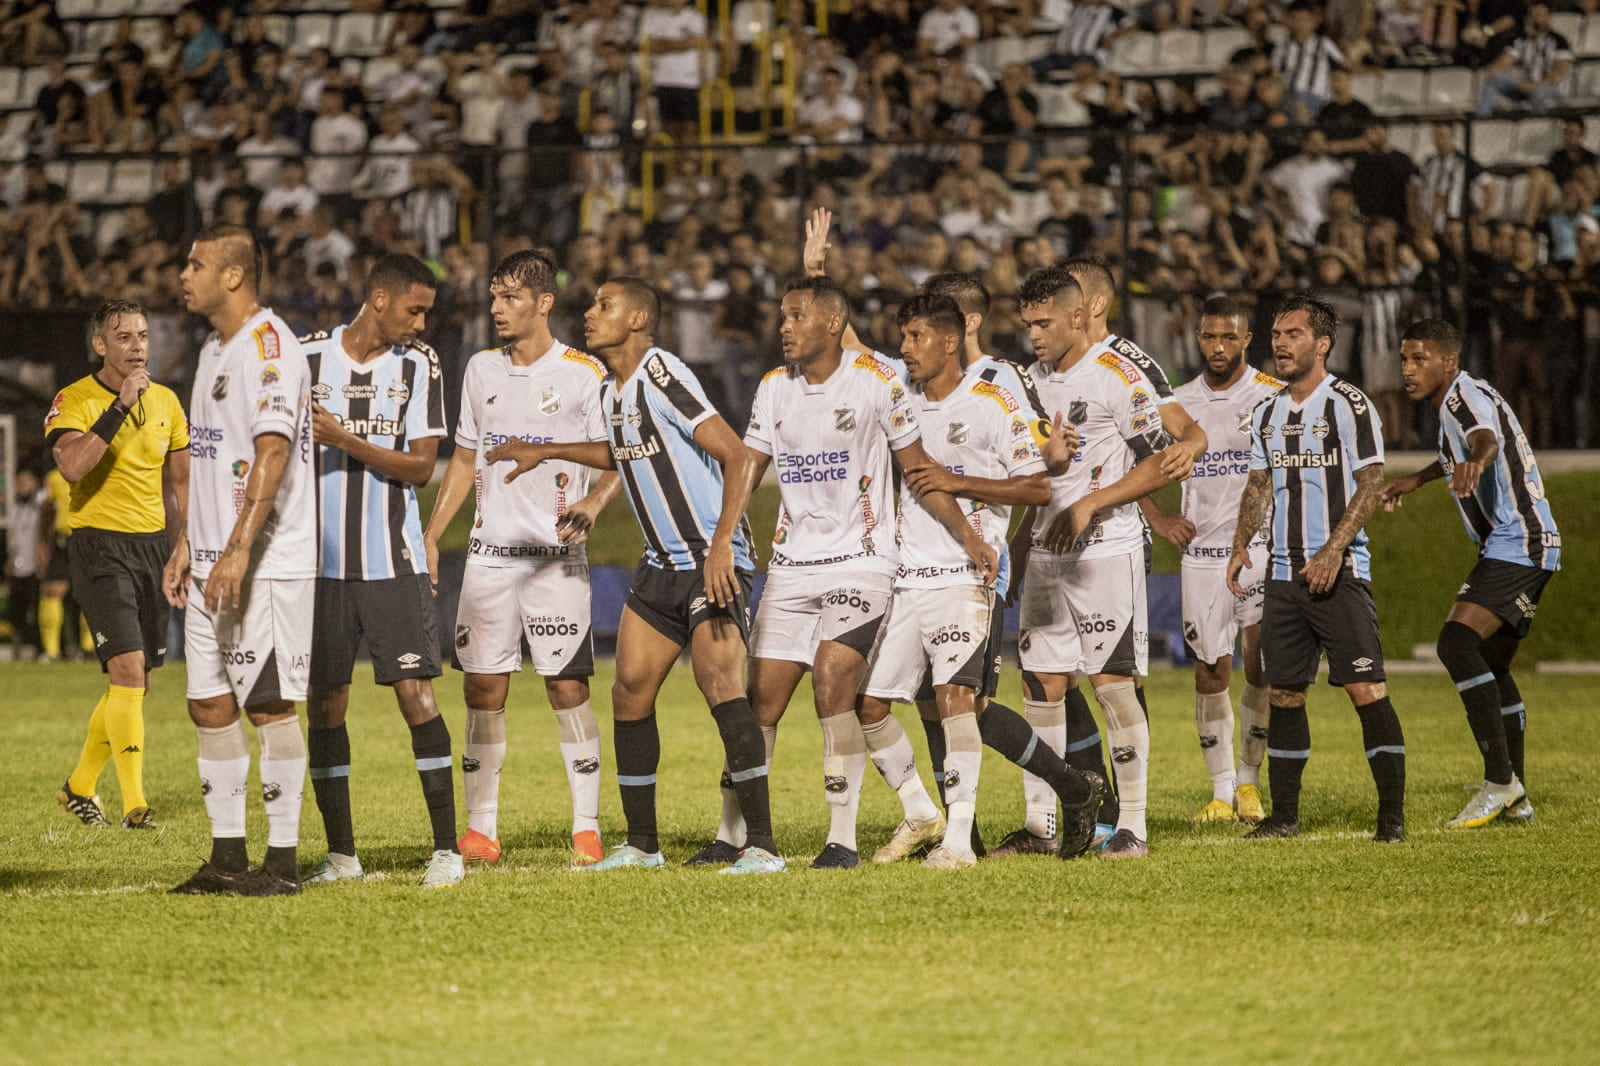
x=96 y=746
x=51 y=612
x=124 y=727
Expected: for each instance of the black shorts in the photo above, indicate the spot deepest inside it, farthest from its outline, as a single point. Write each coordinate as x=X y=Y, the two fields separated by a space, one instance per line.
x=58 y=568
x=1297 y=627
x=1510 y=590
x=398 y=617
x=674 y=602
x=989 y=681
x=678 y=105
x=116 y=579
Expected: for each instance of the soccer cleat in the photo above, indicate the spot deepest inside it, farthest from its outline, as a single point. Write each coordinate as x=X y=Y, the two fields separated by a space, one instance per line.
x=909 y=836
x=1520 y=811
x=757 y=861
x=1273 y=828
x=1216 y=811
x=624 y=856
x=85 y=809
x=1022 y=842
x=475 y=847
x=140 y=818
x=1487 y=804
x=1079 y=830
x=1391 y=829
x=716 y=853
x=943 y=858
x=837 y=857
x=210 y=881
x=1124 y=845
x=262 y=882
x=1247 y=803
x=586 y=849
x=335 y=867
x=444 y=870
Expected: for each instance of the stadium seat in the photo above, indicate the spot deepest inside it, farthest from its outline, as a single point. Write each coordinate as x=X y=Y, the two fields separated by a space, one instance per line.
x=14 y=136
x=146 y=33
x=479 y=115
x=161 y=7
x=378 y=68
x=1220 y=44
x=1133 y=54
x=1586 y=93
x=752 y=18
x=1401 y=92
x=1452 y=89
x=89 y=180
x=278 y=29
x=1537 y=139
x=1588 y=42
x=1494 y=142
x=10 y=88
x=358 y=34
x=1412 y=138
x=1367 y=87
x=114 y=8
x=1178 y=52
x=1036 y=46
x=1569 y=24
x=69 y=10
x=108 y=226
x=33 y=79
x=132 y=181
x=96 y=35
x=311 y=32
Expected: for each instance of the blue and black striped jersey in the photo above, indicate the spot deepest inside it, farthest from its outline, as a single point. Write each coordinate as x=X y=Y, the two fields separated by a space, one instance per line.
x=1507 y=515
x=1313 y=450
x=673 y=485
x=368 y=523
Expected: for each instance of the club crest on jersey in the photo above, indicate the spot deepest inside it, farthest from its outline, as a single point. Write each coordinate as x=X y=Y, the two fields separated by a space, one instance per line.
x=549 y=402
x=1319 y=428
x=219 y=387
x=844 y=419
x=399 y=392
x=1243 y=424
x=634 y=417
x=1078 y=412
x=321 y=391
x=957 y=433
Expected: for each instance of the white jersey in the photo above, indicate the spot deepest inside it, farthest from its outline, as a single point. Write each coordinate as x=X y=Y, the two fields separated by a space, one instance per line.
x=555 y=398
x=254 y=383
x=1211 y=495
x=979 y=430
x=1116 y=410
x=830 y=445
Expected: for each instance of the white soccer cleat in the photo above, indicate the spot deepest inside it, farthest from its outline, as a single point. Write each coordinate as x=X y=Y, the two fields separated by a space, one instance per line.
x=335 y=867
x=445 y=869
x=946 y=858
x=1487 y=804
x=909 y=836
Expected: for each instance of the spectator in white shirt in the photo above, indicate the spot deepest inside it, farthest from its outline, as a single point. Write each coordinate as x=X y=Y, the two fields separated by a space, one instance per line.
x=1302 y=182
x=291 y=193
x=833 y=114
x=386 y=174
x=519 y=111
x=948 y=28
x=264 y=151
x=327 y=243
x=337 y=138
x=675 y=34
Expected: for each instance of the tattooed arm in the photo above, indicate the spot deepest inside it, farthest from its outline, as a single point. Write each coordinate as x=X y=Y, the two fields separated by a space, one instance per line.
x=1252 y=512
x=1322 y=569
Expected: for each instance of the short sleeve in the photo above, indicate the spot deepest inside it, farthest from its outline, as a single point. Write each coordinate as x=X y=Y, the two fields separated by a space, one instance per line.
x=681 y=399
x=1018 y=450
x=467 y=431
x=278 y=385
x=69 y=412
x=1469 y=410
x=1137 y=414
x=898 y=417
x=758 y=434
x=1258 y=436
x=425 y=407
x=594 y=413
x=179 y=438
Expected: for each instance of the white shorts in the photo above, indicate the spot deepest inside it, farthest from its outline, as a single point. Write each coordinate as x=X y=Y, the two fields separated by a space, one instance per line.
x=1086 y=616
x=946 y=629
x=259 y=652
x=1212 y=615
x=803 y=606
x=545 y=600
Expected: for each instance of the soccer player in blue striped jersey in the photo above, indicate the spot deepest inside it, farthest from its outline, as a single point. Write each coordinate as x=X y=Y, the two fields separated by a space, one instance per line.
x=1317 y=460
x=1497 y=487
x=377 y=416
x=681 y=466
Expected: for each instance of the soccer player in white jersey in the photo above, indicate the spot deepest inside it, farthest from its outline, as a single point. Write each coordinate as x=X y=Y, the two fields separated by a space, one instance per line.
x=1083 y=599
x=940 y=619
x=377 y=416
x=1221 y=399
x=527 y=573
x=829 y=420
x=246 y=566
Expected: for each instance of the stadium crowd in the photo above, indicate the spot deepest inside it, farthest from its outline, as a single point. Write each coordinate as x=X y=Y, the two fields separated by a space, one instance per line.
x=987 y=138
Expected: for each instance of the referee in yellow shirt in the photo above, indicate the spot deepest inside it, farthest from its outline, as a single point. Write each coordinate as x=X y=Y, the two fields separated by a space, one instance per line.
x=123 y=443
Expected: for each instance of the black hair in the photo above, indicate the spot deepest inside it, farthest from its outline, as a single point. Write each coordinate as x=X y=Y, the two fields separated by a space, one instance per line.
x=941 y=313
x=1434 y=331
x=1045 y=284
x=1324 y=319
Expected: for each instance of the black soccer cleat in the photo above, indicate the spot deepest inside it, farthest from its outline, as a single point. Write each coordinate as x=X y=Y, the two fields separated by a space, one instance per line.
x=716 y=853
x=1275 y=828
x=1391 y=830
x=85 y=809
x=1022 y=842
x=210 y=881
x=262 y=882
x=1078 y=821
x=140 y=818
x=837 y=857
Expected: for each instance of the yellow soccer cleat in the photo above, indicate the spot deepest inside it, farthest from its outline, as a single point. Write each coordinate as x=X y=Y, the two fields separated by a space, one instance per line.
x=908 y=837
x=1216 y=811
x=1247 y=802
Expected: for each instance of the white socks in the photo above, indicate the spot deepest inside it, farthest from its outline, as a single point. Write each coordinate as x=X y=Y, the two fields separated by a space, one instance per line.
x=891 y=753
x=1213 y=720
x=844 y=763
x=1253 y=713
x=1049 y=720
x=963 y=758
x=580 y=754
x=481 y=761
x=224 y=770
x=1129 y=735
x=283 y=779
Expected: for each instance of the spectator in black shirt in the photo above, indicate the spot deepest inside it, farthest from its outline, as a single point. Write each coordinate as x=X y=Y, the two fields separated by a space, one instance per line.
x=1237 y=108
x=1344 y=118
x=1382 y=178
x=1524 y=305
x=1565 y=161
x=47 y=104
x=1010 y=109
x=552 y=142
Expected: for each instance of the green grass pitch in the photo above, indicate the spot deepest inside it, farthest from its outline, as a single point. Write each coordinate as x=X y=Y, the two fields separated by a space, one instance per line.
x=1475 y=946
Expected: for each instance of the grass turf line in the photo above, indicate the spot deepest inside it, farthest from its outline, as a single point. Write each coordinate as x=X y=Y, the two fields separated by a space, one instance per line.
x=1330 y=948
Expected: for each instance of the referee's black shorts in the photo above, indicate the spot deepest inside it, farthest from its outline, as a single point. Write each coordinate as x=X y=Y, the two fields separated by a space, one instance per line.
x=1297 y=627
x=116 y=579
